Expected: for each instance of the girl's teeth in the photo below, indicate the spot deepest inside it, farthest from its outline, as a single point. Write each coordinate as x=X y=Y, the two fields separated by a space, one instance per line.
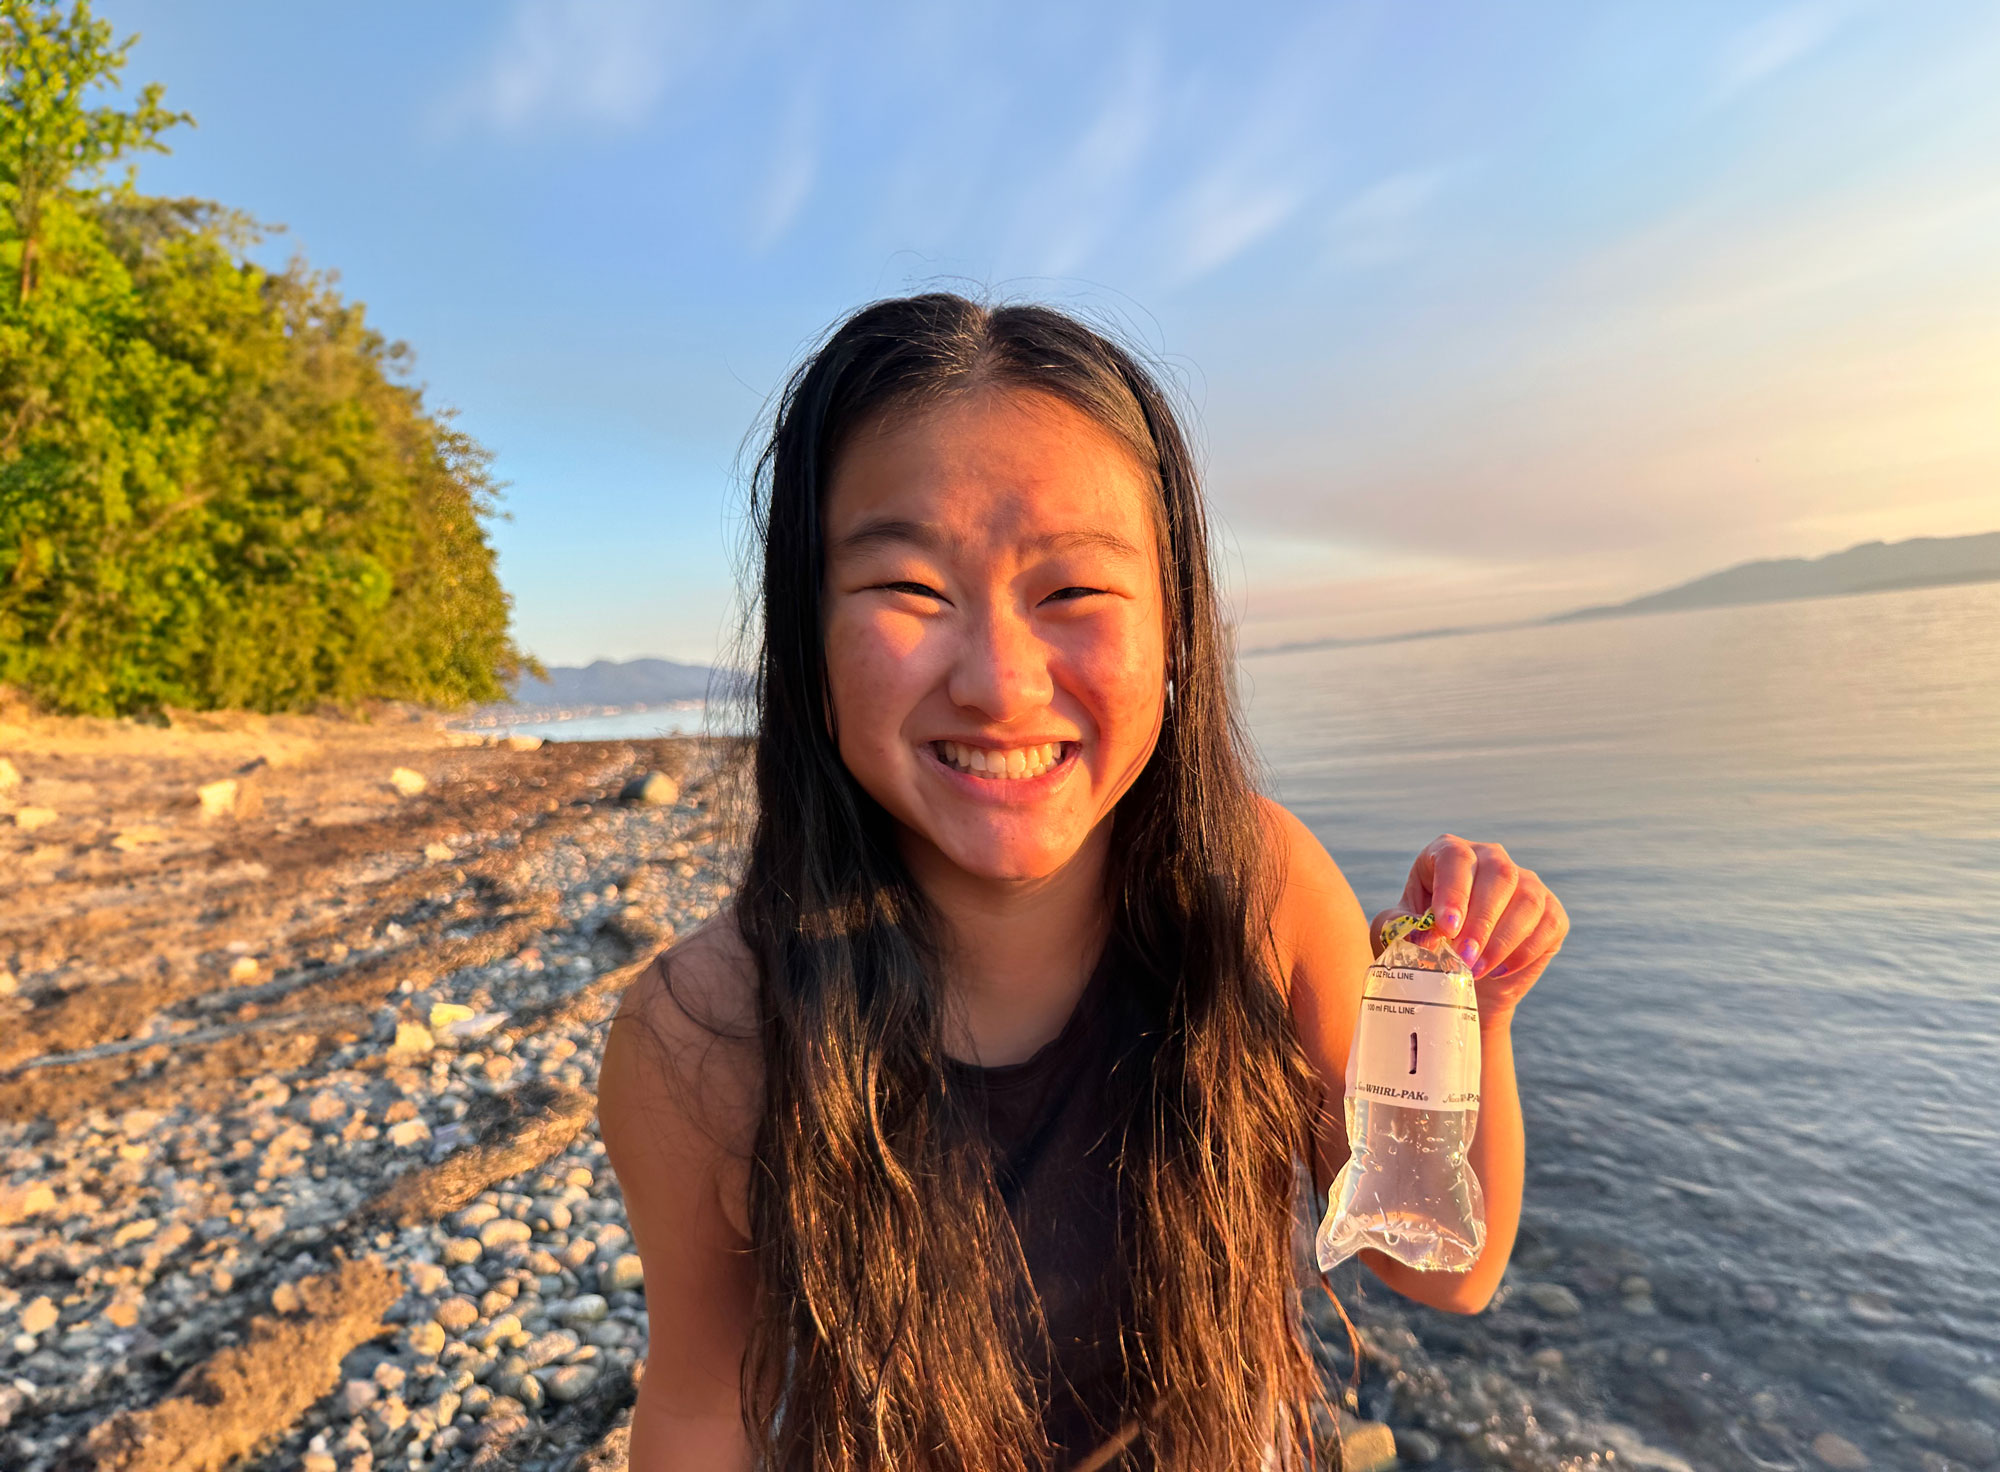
x=1028 y=761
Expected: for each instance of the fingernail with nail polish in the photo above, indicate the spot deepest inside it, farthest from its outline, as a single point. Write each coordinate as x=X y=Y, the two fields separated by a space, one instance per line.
x=1448 y=919
x=1469 y=953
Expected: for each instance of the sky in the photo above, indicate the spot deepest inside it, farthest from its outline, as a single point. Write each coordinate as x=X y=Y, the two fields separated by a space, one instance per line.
x=1480 y=312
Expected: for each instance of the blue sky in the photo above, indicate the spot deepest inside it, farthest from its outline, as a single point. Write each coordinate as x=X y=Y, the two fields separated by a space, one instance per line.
x=1483 y=311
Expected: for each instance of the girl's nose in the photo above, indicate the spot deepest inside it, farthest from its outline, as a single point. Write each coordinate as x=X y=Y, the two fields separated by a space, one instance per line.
x=1002 y=670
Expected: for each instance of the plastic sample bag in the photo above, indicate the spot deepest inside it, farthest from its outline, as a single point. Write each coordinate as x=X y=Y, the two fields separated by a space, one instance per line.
x=1412 y=1106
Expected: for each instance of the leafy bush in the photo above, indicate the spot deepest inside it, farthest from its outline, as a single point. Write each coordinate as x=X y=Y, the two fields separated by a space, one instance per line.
x=217 y=485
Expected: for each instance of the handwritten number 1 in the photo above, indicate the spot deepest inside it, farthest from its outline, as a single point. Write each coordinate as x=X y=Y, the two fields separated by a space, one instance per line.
x=1413 y=1052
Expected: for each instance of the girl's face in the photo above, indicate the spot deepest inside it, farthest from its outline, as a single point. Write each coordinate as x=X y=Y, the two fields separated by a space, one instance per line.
x=995 y=636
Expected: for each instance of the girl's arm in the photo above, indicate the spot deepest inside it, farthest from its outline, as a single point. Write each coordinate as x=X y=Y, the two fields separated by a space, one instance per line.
x=1324 y=951
x=673 y=1107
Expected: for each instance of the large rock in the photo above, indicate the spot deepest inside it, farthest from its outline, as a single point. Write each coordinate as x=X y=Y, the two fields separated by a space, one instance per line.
x=653 y=790
x=218 y=799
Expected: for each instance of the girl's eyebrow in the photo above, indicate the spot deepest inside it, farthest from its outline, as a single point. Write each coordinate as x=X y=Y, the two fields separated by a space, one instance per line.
x=881 y=531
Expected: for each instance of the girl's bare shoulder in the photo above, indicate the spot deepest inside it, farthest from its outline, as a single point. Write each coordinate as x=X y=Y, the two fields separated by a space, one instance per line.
x=683 y=1068
x=1318 y=929
x=701 y=989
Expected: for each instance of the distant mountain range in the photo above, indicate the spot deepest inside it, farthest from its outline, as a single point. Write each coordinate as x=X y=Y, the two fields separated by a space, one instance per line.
x=1872 y=567
x=635 y=682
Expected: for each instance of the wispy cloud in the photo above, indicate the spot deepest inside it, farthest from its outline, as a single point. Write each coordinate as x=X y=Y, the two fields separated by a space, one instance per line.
x=606 y=63
x=1070 y=211
x=794 y=169
x=1763 y=49
x=1265 y=170
x=1377 y=225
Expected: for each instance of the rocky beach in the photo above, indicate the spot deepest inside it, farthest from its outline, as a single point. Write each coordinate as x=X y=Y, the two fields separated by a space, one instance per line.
x=298 y=1162
x=298 y=1156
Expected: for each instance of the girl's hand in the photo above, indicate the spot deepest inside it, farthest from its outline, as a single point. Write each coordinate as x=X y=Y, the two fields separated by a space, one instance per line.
x=1500 y=917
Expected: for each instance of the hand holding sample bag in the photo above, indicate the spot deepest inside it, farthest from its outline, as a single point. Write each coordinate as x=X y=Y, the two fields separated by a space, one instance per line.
x=1408 y=1189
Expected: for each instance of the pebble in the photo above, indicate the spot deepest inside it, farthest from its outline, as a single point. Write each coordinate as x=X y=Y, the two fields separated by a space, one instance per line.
x=520 y=741
x=428 y=1278
x=505 y=1232
x=437 y=853
x=1987 y=1386
x=1839 y=1453
x=358 y=1395
x=1872 y=1308
x=427 y=1340
x=28 y=819
x=1366 y=1446
x=1970 y=1441
x=410 y=1132
x=458 y=1314
x=412 y=1038
x=569 y=1382
x=1417 y=1447
x=586 y=1308
x=1554 y=1300
x=10 y=775
x=327 y=1106
x=39 y=1315
x=460 y=1251
x=476 y=1216
x=1760 y=1298
x=546 y=1349
x=407 y=782
x=625 y=1274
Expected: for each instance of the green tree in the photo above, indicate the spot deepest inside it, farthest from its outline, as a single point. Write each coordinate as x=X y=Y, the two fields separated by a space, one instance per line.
x=217 y=486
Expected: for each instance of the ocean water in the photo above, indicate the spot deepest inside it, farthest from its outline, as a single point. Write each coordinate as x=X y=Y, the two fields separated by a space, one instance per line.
x=646 y=723
x=1764 y=1074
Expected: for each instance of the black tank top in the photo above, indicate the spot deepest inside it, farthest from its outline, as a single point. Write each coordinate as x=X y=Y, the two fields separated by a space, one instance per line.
x=1055 y=1165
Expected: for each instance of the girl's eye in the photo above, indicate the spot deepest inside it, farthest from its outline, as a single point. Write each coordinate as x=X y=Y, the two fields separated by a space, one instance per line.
x=1067 y=595
x=917 y=590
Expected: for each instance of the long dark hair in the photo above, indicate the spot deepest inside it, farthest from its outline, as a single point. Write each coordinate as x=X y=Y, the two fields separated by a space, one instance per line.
x=888 y=1334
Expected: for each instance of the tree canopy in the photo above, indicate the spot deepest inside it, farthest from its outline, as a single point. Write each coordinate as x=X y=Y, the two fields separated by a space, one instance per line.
x=218 y=485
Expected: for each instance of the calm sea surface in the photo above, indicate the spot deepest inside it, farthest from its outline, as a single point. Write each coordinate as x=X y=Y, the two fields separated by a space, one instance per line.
x=1764 y=1075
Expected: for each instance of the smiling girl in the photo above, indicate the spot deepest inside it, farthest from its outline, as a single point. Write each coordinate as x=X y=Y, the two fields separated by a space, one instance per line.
x=965 y=1137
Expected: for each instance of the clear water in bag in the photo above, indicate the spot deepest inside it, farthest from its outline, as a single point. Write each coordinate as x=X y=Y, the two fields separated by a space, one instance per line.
x=1408 y=1188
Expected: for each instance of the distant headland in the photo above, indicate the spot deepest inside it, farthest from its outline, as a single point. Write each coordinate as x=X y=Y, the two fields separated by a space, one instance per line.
x=1871 y=567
